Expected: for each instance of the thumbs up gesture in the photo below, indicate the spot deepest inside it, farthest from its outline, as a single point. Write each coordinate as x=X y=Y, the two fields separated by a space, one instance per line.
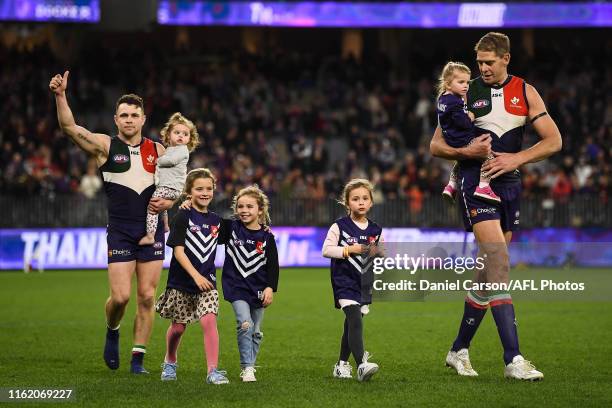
x=59 y=83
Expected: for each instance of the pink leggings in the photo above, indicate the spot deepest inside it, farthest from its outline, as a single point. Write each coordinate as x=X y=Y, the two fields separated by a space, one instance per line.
x=208 y=322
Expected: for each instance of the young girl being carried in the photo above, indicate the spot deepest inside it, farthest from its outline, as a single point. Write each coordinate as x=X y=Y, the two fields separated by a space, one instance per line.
x=180 y=137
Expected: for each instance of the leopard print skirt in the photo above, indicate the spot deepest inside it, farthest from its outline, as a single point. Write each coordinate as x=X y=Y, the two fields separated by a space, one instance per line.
x=184 y=307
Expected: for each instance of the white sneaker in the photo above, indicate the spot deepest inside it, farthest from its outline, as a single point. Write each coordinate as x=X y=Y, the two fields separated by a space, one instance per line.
x=343 y=369
x=522 y=369
x=366 y=370
x=460 y=361
x=248 y=374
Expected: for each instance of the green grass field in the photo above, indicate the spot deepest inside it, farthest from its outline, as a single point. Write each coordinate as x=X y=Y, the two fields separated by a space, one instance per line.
x=52 y=332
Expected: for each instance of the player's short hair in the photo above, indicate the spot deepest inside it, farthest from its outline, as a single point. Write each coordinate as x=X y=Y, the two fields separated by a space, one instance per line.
x=192 y=176
x=448 y=72
x=496 y=42
x=178 y=118
x=352 y=185
x=130 y=99
x=262 y=202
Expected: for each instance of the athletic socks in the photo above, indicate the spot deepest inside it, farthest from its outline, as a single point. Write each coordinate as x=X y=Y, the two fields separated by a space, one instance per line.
x=503 y=313
x=345 y=350
x=111 y=348
x=355 y=331
x=138 y=353
x=173 y=340
x=474 y=310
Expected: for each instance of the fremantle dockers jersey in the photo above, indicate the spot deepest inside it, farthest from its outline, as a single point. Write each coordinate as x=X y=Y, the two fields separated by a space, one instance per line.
x=251 y=263
x=346 y=274
x=503 y=112
x=129 y=183
x=198 y=233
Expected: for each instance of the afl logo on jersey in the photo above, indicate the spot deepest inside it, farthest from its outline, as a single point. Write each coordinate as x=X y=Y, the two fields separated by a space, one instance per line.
x=158 y=245
x=481 y=103
x=351 y=240
x=194 y=228
x=121 y=158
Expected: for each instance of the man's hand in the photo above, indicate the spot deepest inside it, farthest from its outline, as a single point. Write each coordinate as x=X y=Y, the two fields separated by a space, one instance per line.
x=59 y=83
x=267 y=297
x=480 y=148
x=501 y=163
x=158 y=204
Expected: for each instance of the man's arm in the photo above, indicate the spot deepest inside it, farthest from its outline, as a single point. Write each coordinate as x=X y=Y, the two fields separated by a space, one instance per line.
x=550 y=139
x=479 y=149
x=96 y=144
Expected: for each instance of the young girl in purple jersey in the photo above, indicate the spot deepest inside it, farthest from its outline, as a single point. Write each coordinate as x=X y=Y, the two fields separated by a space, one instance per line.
x=350 y=243
x=191 y=294
x=180 y=137
x=250 y=271
x=457 y=127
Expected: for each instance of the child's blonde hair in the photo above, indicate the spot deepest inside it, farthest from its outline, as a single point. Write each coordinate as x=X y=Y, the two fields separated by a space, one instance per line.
x=178 y=118
x=352 y=185
x=192 y=176
x=262 y=202
x=448 y=72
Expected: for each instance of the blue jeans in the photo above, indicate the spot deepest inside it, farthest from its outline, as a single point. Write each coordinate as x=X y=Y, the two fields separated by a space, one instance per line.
x=248 y=331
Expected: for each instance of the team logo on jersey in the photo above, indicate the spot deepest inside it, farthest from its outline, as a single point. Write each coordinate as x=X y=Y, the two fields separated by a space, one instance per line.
x=121 y=158
x=259 y=247
x=214 y=231
x=372 y=239
x=481 y=103
x=151 y=159
x=158 y=245
x=195 y=228
x=351 y=240
x=514 y=100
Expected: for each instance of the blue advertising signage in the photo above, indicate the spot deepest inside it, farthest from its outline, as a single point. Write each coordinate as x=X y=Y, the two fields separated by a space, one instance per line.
x=85 y=248
x=78 y=11
x=384 y=14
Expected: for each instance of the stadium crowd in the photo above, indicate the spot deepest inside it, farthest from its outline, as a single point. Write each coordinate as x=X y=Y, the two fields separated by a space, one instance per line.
x=299 y=125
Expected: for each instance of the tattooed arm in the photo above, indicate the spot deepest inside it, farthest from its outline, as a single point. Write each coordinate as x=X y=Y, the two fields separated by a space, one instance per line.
x=96 y=144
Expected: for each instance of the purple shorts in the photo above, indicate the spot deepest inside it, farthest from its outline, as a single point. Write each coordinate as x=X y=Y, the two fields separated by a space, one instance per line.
x=474 y=210
x=123 y=243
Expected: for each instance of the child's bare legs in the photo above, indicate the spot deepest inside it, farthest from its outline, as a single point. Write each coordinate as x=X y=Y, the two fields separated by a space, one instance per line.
x=149 y=238
x=153 y=219
x=166 y=224
x=451 y=188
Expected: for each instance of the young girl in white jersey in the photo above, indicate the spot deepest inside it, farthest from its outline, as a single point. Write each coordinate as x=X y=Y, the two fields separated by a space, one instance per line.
x=350 y=243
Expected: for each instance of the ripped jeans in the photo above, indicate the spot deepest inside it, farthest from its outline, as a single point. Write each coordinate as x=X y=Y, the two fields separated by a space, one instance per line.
x=248 y=331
